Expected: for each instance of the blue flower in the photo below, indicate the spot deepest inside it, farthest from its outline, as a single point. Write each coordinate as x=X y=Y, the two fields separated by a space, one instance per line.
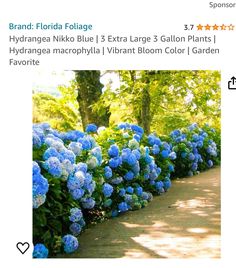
x=75 y=228
x=37 y=143
x=139 y=191
x=86 y=143
x=53 y=166
x=77 y=193
x=40 y=251
x=171 y=168
x=130 y=190
x=209 y=163
x=36 y=168
x=165 y=153
x=40 y=184
x=113 y=151
x=123 y=206
x=75 y=215
x=108 y=172
x=70 y=242
x=38 y=200
x=88 y=202
x=73 y=135
x=76 y=181
x=122 y=192
x=76 y=148
x=137 y=129
x=82 y=167
x=191 y=157
x=91 y=128
x=155 y=149
x=137 y=137
x=107 y=189
x=172 y=156
x=114 y=213
x=129 y=176
x=114 y=162
x=167 y=184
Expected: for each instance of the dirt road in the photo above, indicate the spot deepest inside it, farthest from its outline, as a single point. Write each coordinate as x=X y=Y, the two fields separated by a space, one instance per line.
x=183 y=223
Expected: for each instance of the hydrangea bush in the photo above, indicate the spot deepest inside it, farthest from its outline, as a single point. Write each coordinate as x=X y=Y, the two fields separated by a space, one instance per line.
x=82 y=178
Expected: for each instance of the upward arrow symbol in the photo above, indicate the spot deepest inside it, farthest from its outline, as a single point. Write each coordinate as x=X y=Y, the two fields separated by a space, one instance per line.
x=233 y=79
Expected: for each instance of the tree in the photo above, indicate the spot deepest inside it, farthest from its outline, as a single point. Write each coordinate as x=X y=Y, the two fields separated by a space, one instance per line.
x=89 y=92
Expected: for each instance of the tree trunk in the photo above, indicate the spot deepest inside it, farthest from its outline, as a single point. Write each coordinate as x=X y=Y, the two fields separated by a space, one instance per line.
x=89 y=92
x=145 y=109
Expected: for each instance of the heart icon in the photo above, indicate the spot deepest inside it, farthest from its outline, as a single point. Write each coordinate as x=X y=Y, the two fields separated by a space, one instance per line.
x=23 y=247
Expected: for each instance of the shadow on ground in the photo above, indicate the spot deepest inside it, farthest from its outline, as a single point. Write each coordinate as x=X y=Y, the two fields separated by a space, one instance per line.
x=183 y=223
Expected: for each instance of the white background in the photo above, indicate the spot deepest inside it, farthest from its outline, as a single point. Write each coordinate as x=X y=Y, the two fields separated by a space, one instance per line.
x=114 y=17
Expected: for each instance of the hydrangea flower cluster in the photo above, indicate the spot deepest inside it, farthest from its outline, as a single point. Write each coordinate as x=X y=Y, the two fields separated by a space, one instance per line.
x=40 y=186
x=106 y=172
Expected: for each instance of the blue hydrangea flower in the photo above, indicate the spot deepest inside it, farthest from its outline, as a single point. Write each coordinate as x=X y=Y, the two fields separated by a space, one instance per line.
x=139 y=191
x=155 y=149
x=88 y=202
x=86 y=143
x=122 y=192
x=167 y=184
x=107 y=189
x=82 y=167
x=113 y=151
x=130 y=190
x=108 y=172
x=172 y=156
x=191 y=157
x=209 y=163
x=129 y=176
x=76 y=148
x=70 y=242
x=38 y=200
x=114 y=162
x=40 y=184
x=117 y=180
x=77 y=193
x=137 y=129
x=114 y=213
x=92 y=162
x=36 y=169
x=165 y=153
x=171 y=168
x=91 y=128
x=75 y=228
x=75 y=215
x=40 y=251
x=123 y=206
x=53 y=166
x=37 y=143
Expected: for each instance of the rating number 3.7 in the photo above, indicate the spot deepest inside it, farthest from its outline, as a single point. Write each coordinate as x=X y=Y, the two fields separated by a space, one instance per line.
x=188 y=27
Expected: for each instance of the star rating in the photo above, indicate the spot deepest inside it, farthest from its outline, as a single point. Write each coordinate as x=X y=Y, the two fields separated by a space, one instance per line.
x=231 y=27
x=215 y=27
x=223 y=27
x=199 y=27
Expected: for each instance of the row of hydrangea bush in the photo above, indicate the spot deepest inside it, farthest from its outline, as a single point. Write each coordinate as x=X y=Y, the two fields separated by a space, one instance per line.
x=81 y=178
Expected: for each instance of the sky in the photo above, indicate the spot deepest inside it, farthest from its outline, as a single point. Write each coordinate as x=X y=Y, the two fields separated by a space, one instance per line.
x=45 y=81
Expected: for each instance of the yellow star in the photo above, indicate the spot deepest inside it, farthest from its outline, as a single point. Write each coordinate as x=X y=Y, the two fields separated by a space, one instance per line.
x=231 y=27
x=199 y=27
x=207 y=27
x=215 y=27
x=223 y=27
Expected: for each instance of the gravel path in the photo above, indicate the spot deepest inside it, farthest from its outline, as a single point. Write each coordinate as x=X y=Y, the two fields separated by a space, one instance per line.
x=183 y=223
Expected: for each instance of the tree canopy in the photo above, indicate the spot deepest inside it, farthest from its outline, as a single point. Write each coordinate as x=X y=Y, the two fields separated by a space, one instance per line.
x=156 y=100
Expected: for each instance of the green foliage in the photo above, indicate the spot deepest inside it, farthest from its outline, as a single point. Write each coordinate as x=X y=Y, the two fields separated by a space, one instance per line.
x=60 y=112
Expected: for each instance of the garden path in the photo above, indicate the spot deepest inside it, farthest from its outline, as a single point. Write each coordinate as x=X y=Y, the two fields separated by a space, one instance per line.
x=183 y=223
